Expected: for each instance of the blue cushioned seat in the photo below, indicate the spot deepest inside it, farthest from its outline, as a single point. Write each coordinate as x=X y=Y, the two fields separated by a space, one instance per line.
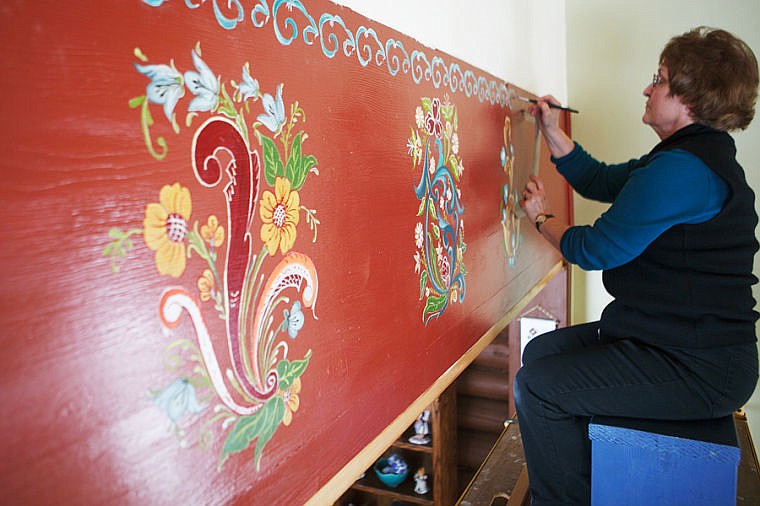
x=637 y=462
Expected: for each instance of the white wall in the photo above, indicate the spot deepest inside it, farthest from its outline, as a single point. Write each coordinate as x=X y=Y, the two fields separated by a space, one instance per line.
x=613 y=48
x=519 y=41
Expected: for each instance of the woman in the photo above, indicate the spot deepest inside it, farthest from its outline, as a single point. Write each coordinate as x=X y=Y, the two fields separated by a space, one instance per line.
x=676 y=247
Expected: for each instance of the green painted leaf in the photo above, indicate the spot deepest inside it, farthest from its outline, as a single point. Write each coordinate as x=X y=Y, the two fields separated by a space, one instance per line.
x=246 y=429
x=454 y=164
x=261 y=425
x=427 y=104
x=307 y=163
x=423 y=282
x=435 y=304
x=294 y=162
x=436 y=231
x=289 y=371
x=432 y=210
x=137 y=102
x=273 y=166
x=421 y=210
x=273 y=420
x=447 y=111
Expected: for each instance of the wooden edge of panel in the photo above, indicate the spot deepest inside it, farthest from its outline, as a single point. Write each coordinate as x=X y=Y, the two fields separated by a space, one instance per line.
x=507 y=426
x=344 y=478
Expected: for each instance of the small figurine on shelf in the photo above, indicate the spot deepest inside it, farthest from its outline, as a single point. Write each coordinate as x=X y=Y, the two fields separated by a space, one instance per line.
x=420 y=481
x=395 y=464
x=421 y=429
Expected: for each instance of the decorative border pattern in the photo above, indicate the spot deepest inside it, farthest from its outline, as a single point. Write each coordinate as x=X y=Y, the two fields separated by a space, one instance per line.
x=334 y=36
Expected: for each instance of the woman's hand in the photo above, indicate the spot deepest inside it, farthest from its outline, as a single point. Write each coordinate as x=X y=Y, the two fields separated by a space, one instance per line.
x=534 y=203
x=546 y=117
x=534 y=200
x=547 y=120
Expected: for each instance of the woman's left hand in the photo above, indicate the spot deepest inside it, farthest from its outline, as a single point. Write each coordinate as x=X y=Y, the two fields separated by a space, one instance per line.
x=535 y=201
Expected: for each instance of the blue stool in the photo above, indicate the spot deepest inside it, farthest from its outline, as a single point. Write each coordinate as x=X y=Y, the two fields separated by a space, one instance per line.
x=638 y=462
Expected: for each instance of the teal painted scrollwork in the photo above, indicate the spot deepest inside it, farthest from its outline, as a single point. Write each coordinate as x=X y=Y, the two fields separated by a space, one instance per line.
x=395 y=63
x=330 y=41
x=262 y=9
x=291 y=25
x=364 y=42
x=364 y=52
x=229 y=23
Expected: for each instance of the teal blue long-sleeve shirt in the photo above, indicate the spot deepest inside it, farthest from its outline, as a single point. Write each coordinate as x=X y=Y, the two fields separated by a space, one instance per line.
x=675 y=187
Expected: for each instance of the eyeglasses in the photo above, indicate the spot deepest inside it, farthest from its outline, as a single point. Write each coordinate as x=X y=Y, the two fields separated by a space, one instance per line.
x=657 y=79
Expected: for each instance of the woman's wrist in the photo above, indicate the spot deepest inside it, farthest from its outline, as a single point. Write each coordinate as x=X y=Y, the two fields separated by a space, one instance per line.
x=559 y=143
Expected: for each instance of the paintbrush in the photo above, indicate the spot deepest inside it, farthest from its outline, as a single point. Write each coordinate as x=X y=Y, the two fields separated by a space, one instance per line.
x=553 y=106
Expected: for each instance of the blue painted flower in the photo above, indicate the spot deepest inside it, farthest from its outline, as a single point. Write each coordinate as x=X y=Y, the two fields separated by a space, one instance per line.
x=178 y=399
x=294 y=320
x=503 y=156
x=274 y=109
x=250 y=86
x=165 y=87
x=204 y=84
x=154 y=3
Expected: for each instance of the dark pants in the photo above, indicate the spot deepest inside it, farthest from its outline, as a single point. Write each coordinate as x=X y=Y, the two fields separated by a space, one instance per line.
x=574 y=373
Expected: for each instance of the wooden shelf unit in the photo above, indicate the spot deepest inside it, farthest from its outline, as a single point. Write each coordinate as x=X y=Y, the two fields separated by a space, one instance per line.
x=438 y=458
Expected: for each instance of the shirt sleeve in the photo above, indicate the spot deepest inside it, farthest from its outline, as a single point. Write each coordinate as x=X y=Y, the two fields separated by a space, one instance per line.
x=675 y=187
x=591 y=178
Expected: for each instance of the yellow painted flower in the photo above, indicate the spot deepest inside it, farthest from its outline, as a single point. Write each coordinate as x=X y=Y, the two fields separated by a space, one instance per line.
x=279 y=215
x=206 y=285
x=212 y=233
x=292 y=402
x=165 y=228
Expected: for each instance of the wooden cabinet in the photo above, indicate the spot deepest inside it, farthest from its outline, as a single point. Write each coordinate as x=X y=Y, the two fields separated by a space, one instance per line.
x=438 y=458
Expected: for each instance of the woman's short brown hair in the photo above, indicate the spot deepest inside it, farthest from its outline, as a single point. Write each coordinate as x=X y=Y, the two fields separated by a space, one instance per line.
x=715 y=75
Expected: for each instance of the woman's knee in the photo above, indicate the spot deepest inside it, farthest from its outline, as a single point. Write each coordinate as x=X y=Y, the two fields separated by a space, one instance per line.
x=561 y=341
x=522 y=389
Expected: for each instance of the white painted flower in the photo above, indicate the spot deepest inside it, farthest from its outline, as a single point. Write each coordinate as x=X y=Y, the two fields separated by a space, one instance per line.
x=274 y=110
x=455 y=143
x=203 y=84
x=419 y=117
x=165 y=86
x=178 y=399
x=410 y=147
x=250 y=86
x=419 y=235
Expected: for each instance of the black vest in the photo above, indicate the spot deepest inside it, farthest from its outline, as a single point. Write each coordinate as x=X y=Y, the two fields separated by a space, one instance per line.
x=692 y=287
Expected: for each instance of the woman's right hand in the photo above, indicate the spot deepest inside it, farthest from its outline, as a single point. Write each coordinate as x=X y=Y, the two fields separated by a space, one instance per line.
x=546 y=117
x=547 y=120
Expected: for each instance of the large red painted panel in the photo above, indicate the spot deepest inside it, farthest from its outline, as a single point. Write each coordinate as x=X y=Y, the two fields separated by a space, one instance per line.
x=238 y=241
